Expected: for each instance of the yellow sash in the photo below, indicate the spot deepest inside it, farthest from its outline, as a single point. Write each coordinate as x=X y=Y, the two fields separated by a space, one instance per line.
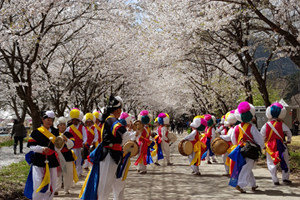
x=91 y=130
x=241 y=134
x=93 y=133
x=75 y=176
x=76 y=131
x=197 y=149
x=97 y=127
x=47 y=133
x=103 y=127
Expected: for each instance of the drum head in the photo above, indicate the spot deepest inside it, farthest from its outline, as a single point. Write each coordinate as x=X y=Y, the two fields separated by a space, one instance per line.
x=188 y=147
x=59 y=142
x=219 y=146
x=131 y=147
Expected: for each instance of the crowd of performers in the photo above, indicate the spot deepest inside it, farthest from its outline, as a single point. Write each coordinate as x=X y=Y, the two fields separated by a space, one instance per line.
x=102 y=137
x=240 y=133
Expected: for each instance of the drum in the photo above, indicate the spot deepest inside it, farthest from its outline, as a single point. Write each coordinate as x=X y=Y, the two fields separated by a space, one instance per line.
x=172 y=137
x=132 y=147
x=219 y=146
x=185 y=148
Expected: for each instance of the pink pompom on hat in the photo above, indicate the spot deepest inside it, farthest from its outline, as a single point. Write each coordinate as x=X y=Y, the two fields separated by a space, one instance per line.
x=163 y=119
x=145 y=117
x=242 y=109
x=144 y=112
x=125 y=116
x=207 y=117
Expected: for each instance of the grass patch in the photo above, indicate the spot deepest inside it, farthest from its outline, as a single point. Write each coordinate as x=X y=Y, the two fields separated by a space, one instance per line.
x=7 y=142
x=295 y=161
x=13 y=179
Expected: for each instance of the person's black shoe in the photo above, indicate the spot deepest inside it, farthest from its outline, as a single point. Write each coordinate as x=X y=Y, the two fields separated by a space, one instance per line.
x=287 y=182
x=276 y=183
x=15 y=152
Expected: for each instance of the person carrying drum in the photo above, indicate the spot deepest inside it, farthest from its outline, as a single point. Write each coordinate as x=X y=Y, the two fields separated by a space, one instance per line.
x=163 y=140
x=107 y=157
x=79 y=133
x=144 y=156
x=243 y=176
x=97 y=124
x=229 y=122
x=199 y=147
x=273 y=133
x=208 y=138
x=92 y=136
x=69 y=174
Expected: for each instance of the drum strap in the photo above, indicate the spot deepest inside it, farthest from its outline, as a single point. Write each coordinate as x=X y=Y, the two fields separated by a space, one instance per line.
x=246 y=133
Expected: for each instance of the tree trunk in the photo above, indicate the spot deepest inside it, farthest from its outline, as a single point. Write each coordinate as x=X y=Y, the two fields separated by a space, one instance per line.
x=248 y=90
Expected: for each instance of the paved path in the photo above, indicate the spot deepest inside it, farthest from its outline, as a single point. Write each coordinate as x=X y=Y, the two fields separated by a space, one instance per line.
x=8 y=157
x=177 y=182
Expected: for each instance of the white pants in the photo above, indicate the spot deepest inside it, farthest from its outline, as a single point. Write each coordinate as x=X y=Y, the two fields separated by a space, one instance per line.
x=273 y=168
x=141 y=166
x=166 y=150
x=37 y=177
x=68 y=178
x=194 y=167
x=224 y=156
x=87 y=164
x=78 y=161
x=246 y=177
x=208 y=157
x=108 y=180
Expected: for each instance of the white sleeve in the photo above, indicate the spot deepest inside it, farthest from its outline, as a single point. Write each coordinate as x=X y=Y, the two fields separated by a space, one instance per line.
x=213 y=134
x=287 y=131
x=233 y=138
x=222 y=132
x=191 y=136
x=37 y=149
x=263 y=131
x=163 y=133
x=96 y=135
x=228 y=136
x=70 y=144
x=128 y=135
x=258 y=138
x=84 y=136
x=220 y=129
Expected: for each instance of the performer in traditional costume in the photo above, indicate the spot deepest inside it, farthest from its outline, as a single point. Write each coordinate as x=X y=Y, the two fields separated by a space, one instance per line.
x=162 y=139
x=97 y=124
x=145 y=144
x=273 y=133
x=43 y=171
x=242 y=175
x=107 y=157
x=92 y=135
x=79 y=133
x=208 y=138
x=67 y=161
x=197 y=125
x=229 y=122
